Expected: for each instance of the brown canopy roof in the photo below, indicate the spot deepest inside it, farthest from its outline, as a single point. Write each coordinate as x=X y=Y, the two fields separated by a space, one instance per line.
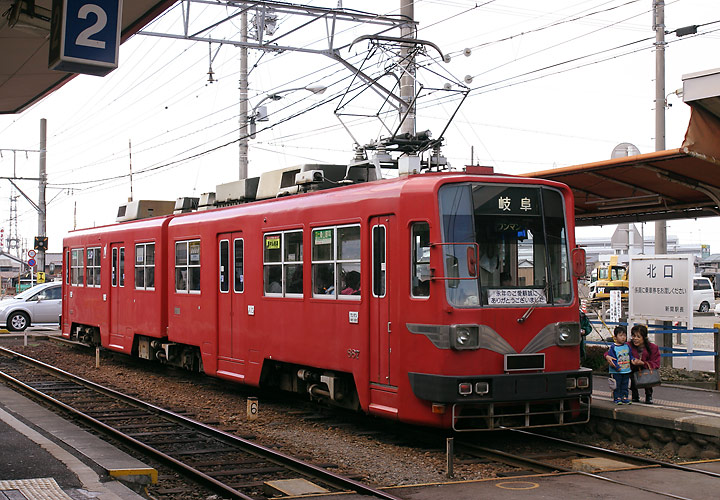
x=672 y=184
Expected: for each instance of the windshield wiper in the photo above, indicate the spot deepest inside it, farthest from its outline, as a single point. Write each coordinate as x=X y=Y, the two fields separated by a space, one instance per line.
x=532 y=307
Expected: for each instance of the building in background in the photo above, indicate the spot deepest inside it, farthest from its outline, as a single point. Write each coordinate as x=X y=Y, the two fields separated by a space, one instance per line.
x=14 y=271
x=628 y=240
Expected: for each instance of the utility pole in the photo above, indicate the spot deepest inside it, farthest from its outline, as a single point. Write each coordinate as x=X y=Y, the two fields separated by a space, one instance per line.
x=42 y=208
x=660 y=225
x=130 y=161
x=407 y=79
x=659 y=27
x=243 y=153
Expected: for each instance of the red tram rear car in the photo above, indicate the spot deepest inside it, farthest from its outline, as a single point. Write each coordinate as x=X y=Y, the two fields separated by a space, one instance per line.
x=441 y=299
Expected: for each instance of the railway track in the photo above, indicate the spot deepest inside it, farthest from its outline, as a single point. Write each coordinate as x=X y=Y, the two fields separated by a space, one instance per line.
x=561 y=451
x=510 y=454
x=222 y=462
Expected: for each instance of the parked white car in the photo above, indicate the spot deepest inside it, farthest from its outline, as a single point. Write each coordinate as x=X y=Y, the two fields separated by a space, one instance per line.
x=39 y=304
x=703 y=295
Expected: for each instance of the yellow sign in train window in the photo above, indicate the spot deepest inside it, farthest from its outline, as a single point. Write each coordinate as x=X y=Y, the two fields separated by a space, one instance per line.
x=272 y=242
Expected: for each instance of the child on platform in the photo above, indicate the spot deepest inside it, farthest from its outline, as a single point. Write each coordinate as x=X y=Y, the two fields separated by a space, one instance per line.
x=619 y=358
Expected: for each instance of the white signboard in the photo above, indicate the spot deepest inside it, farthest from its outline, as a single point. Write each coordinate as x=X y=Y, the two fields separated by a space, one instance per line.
x=523 y=296
x=615 y=306
x=661 y=288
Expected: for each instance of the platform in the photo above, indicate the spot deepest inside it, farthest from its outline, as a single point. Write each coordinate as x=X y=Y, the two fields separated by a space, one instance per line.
x=43 y=456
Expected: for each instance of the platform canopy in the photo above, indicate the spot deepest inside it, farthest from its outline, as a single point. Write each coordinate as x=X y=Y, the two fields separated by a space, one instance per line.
x=674 y=184
x=24 y=74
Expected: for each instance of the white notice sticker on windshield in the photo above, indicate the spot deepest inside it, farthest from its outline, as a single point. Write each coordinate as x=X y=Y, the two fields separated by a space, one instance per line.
x=523 y=296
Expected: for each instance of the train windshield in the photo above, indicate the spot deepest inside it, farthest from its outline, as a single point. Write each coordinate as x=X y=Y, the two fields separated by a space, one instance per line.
x=504 y=245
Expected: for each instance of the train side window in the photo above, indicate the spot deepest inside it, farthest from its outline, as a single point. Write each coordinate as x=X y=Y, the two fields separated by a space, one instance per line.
x=336 y=262
x=114 y=267
x=272 y=264
x=378 y=263
x=293 y=262
x=239 y=265
x=420 y=286
x=348 y=261
x=93 y=266
x=282 y=264
x=145 y=266
x=323 y=263
x=67 y=267
x=77 y=267
x=224 y=266
x=187 y=266
x=121 y=270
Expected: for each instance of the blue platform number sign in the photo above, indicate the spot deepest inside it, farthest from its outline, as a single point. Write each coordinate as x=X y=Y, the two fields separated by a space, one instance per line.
x=85 y=36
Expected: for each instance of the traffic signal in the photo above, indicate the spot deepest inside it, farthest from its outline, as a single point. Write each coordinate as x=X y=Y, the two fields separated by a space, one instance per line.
x=41 y=243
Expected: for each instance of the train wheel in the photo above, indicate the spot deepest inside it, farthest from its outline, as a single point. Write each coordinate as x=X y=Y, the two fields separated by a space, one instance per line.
x=18 y=321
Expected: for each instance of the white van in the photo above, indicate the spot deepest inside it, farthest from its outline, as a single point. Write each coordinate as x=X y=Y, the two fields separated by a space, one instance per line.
x=703 y=295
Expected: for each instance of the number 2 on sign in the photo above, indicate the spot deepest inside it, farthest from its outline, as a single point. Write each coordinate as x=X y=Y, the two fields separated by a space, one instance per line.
x=101 y=20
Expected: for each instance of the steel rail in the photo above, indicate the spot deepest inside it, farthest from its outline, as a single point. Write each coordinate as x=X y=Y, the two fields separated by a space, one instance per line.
x=190 y=471
x=513 y=459
x=618 y=454
x=304 y=468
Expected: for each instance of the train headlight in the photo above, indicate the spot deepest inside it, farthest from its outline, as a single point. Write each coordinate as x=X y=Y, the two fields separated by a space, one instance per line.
x=464 y=337
x=568 y=334
x=583 y=382
x=570 y=383
x=465 y=388
x=482 y=388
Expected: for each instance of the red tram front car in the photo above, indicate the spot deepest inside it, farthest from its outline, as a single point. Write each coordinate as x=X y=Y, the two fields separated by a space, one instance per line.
x=441 y=299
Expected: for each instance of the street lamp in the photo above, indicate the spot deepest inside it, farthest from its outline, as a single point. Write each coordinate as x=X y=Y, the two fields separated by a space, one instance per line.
x=259 y=113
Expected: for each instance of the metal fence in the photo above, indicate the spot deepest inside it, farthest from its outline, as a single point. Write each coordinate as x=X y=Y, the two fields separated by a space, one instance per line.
x=689 y=352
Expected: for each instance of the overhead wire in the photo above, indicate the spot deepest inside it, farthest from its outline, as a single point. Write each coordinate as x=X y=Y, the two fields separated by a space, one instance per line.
x=554 y=24
x=135 y=121
x=111 y=156
x=167 y=164
x=476 y=89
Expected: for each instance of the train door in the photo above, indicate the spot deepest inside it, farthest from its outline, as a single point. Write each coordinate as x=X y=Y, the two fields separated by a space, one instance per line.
x=232 y=316
x=381 y=316
x=117 y=285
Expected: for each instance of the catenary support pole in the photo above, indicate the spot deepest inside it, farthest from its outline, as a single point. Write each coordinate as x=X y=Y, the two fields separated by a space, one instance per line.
x=407 y=79
x=243 y=153
x=666 y=339
x=42 y=213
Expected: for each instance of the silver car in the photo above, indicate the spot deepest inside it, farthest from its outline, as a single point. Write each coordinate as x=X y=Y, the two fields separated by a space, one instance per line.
x=39 y=304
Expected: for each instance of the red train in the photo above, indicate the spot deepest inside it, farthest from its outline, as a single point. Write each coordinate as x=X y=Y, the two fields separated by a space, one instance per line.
x=441 y=299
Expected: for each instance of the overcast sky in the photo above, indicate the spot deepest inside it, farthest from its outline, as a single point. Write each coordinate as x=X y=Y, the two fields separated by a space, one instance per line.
x=552 y=83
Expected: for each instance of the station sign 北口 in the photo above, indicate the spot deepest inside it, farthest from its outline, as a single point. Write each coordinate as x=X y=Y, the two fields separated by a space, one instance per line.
x=85 y=36
x=660 y=288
